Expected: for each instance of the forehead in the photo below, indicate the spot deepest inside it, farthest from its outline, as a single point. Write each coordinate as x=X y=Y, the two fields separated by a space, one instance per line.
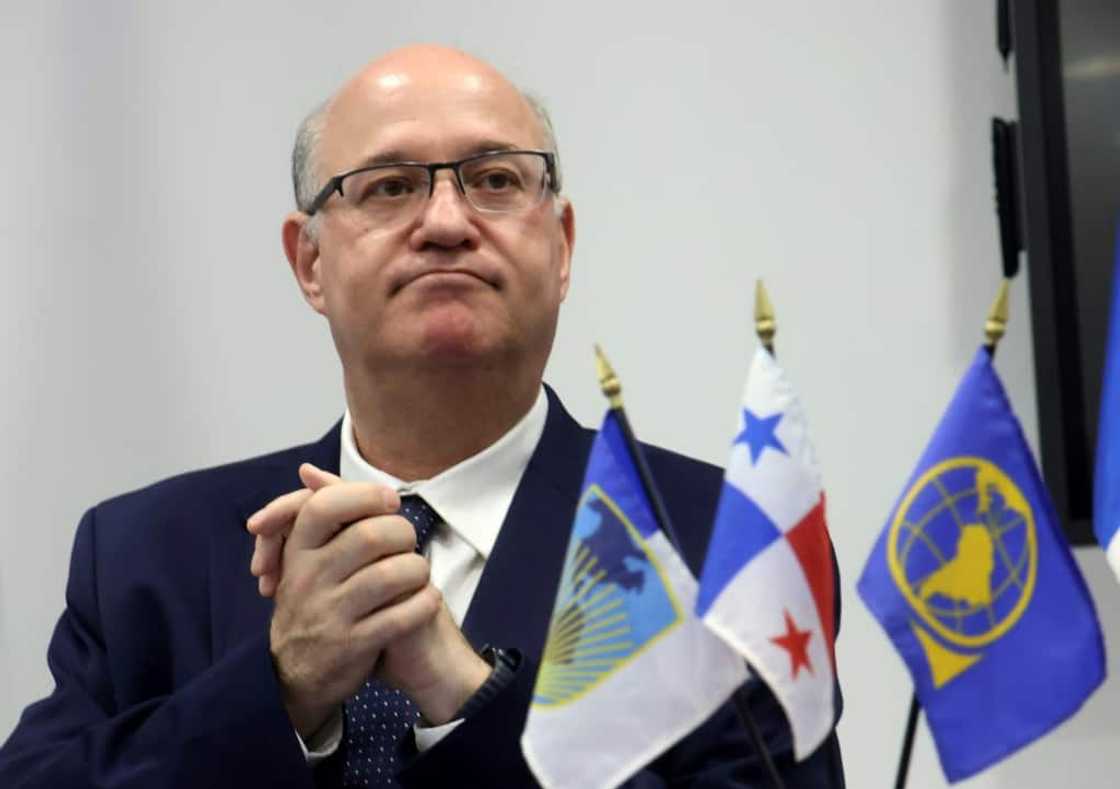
x=427 y=114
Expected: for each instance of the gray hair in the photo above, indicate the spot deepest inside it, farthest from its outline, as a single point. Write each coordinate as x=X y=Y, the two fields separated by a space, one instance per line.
x=544 y=120
x=307 y=181
x=305 y=160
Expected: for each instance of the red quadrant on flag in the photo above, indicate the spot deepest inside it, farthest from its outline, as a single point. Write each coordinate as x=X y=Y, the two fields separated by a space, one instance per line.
x=809 y=539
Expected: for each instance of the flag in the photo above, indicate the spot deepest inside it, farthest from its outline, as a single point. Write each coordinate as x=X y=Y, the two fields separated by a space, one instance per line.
x=767 y=587
x=1106 y=481
x=627 y=669
x=975 y=585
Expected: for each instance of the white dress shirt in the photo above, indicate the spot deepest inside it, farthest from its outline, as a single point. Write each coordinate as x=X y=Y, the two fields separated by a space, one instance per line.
x=472 y=499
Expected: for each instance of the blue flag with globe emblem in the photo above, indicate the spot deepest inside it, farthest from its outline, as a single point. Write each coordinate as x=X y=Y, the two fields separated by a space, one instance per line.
x=975 y=585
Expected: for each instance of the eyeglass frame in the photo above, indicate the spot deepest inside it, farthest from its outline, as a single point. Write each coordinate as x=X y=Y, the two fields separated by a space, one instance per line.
x=335 y=183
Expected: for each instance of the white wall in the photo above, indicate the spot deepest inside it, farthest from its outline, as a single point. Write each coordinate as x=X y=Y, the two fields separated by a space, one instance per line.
x=840 y=150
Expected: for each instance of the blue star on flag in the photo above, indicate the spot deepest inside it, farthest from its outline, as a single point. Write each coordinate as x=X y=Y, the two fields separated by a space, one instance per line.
x=758 y=434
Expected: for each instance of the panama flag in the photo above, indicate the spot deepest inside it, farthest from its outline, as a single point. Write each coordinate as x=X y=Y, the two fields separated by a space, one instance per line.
x=767 y=585
x=627 y=668
x=1106 y=483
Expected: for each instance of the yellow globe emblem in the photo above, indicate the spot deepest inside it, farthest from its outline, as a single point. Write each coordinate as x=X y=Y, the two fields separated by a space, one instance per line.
x=962 y=549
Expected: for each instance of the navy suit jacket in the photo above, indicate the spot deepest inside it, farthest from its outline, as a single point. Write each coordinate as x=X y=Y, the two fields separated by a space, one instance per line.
x=162 y=665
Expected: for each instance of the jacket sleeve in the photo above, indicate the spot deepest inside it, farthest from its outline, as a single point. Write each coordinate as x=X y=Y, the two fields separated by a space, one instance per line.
x=223 y=727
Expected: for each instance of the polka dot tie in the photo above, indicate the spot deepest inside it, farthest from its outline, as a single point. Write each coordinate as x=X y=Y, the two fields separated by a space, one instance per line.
x=377 y=716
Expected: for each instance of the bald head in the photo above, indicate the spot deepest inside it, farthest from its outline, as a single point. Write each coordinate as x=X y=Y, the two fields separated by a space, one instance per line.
x=408 y=80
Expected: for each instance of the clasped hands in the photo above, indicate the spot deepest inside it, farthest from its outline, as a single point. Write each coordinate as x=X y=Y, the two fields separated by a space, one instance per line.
x=353 y=600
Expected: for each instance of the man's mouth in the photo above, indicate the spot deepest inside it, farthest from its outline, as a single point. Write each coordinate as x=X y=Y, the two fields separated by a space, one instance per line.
x=450 y=276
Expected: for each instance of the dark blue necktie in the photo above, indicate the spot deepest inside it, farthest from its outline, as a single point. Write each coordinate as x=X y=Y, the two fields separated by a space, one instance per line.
x=377 y=717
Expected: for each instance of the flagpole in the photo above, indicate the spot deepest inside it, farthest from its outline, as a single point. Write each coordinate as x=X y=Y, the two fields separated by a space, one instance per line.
x=994 y=328
x=612 y=389
x=907 y=743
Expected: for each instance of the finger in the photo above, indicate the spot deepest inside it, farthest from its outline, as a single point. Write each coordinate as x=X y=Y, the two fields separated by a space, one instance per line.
x=266 y=554
x=379 y=584
x=389 y=623
x=332 y=506
x=256 y=560
x=266 y=584
x=366 y=541
x=273 y=522
x=278 y=514
x=281 y=511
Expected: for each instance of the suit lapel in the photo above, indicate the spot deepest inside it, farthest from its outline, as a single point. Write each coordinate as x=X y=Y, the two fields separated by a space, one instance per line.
x=513 y=603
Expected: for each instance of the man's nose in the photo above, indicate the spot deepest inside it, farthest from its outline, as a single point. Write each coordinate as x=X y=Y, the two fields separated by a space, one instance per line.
x=447 y=219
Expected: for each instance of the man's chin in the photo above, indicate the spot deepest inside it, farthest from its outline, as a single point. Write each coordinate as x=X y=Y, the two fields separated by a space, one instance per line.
x=456 y=344
x=451 y=334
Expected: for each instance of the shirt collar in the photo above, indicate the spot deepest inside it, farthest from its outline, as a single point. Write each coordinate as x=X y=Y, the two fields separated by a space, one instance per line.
x=473 y=496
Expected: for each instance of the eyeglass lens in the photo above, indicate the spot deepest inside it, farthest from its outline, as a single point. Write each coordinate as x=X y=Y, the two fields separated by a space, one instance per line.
x=499 y=182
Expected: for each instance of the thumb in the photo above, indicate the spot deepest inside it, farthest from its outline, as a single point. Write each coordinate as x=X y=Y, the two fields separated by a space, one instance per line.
x=315 y=478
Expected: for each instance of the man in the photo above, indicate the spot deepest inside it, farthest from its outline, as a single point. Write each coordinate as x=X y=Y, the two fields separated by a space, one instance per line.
x=432 y=237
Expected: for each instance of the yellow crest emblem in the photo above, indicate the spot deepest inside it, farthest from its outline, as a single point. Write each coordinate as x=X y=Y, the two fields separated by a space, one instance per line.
x=963 y=552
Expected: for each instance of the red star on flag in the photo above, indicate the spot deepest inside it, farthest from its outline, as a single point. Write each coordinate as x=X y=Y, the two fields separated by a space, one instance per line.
x=796 y=642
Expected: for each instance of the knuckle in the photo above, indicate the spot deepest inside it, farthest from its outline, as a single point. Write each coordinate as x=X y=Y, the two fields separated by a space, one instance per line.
x=431 y=601
x=368 y=542
x=400 y=531
x=311 y=512
x=389 y=499
x=385 y=581
x=315 y=508
x=374 y=533
x=386 y=534
x=292 y=505
x=284 y=505
x=277 y=507
x=364 y=535
x=408 y=573
x=289 y=587
x=336 y=600
x=393 y=624
x=298 y=582
x=419 y=566
x=273 y=549
x=378 y=576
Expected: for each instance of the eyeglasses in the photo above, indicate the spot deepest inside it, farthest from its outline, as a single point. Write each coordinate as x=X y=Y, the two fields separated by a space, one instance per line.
x=495 y=182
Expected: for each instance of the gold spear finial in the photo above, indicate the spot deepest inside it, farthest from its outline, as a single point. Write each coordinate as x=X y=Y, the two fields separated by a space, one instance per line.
x=608 y=381
x=765 y=326
x=996 y=324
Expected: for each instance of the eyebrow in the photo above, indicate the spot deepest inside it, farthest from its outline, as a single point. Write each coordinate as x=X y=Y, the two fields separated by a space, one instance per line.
x=398 y=155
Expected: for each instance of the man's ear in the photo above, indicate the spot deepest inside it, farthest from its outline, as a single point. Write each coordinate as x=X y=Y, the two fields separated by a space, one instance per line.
x=567 y=219
x=302 y=250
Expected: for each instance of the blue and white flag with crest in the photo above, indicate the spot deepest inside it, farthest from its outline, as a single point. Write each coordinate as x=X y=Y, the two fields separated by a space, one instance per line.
x=627 y=669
